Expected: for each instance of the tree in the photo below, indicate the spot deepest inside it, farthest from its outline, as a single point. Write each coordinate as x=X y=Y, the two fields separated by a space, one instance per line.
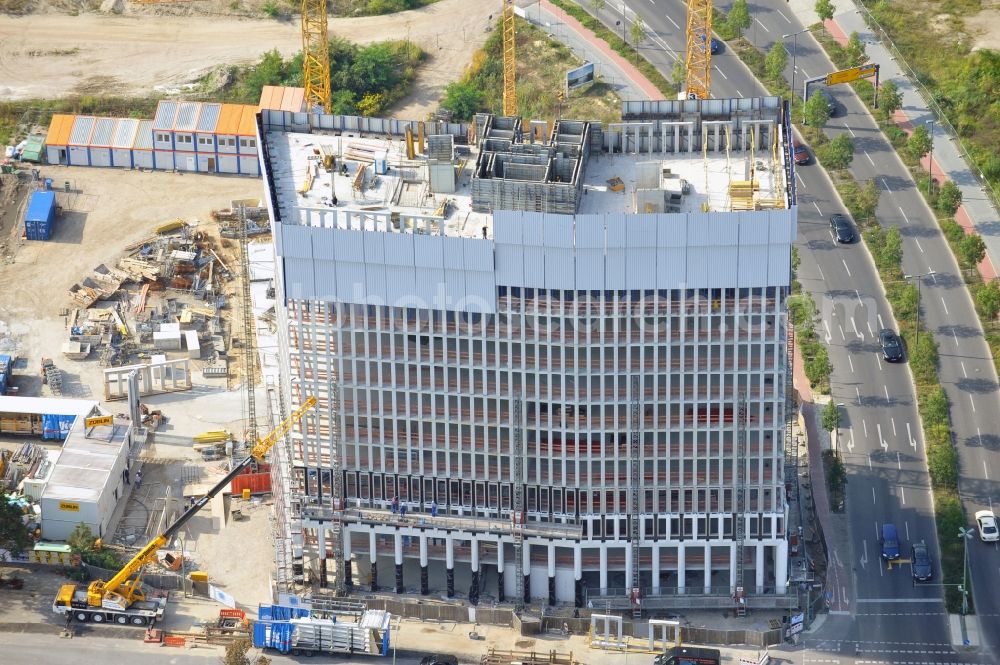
x=816 y=111
x=598 y=5
x=775 y=61
x=738 y=18
x=890 y=99
x=948 y=199
x=462 y=99
x=818 y=367
x=831 y=416
x=678 y=75
x=892 y=251
x=14 y=536
x=919 y=143
x=838 y=153
x=82 y=541
x=824 y=10
x=971 y=250
x=855 y=50
x=868 y=198
x=637 y=32
x=988 y=300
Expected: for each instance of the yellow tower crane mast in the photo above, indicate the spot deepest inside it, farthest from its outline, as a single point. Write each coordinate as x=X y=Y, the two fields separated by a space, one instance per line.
x=509 y=58
x=698 y=63
x=316 y=55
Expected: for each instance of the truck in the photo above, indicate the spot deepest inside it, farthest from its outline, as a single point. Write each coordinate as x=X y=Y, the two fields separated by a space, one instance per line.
x=124 y=599
x=298 y=632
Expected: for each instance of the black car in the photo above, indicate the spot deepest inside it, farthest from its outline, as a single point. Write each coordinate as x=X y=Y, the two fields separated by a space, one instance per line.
x=892 y=346
x=830 y=102
x=843 y=230
x=920 y=559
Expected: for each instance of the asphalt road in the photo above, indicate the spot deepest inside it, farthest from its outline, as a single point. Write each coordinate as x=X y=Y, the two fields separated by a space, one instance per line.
x=883 y=446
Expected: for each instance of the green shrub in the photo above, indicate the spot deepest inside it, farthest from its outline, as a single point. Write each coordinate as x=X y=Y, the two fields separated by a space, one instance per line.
x=271 y=8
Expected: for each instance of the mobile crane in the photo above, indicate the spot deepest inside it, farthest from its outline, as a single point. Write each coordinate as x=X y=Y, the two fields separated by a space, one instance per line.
x=122 y=599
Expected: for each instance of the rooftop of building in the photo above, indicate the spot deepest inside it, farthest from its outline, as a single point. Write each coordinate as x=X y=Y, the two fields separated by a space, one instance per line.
x=85 y=464
x=447 y=184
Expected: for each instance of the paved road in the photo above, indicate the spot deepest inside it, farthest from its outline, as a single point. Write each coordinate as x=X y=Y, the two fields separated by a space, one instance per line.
x=885 y=450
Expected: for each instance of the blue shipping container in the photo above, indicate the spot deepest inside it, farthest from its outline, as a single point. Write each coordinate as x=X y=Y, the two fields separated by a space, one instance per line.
x=41 y=213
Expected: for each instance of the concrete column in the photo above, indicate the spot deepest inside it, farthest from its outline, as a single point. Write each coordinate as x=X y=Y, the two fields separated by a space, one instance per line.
x=708 y=568
x=628 y=566
x=449 y=564
x=526 y=563
x=681 y=567
x=474 y=587
x=346 y=544
x=501 y=595
x=733 y=582
x=577 y=576
x=399 y=562
x=759 y=565
x=552 y=574
x=781 y=566
x=656 y=568
x=604 y=566
x=321 y=536
x=373 y=552
x=423 y=566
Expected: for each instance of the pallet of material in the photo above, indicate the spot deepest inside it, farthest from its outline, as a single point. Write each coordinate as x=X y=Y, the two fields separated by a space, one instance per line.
x=83 y=296
x=75 y=350
x=139 y=270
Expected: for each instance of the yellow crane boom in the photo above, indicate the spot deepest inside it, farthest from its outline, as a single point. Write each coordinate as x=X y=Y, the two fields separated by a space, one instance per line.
x=509 y=58
x=315 y=55
x=123 y=589
x=698 y=63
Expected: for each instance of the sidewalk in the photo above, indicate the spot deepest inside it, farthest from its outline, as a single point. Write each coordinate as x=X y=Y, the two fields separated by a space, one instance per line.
x=977 y=211
x=623 y=77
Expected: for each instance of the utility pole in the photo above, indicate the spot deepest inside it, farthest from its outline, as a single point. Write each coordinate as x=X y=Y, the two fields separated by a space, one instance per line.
x=930 y=160
x=919 y=278
x=965 y=535
x=795 y=51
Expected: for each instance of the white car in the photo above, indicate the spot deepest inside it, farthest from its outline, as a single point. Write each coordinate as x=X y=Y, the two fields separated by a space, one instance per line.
x=987 y=523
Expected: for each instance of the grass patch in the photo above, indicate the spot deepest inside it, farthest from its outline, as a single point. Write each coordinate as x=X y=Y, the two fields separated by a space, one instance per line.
x=620 y=46
x=14 y=115
x=541 y=70
x=374 y=7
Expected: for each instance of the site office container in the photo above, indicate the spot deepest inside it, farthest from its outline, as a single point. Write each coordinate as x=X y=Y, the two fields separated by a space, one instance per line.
x=40 y=216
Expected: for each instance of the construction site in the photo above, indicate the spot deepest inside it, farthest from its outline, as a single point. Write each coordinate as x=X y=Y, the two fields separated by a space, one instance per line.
x=516 y=373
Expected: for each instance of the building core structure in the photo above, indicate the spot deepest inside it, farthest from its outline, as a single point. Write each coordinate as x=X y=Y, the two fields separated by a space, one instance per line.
x=564 y=342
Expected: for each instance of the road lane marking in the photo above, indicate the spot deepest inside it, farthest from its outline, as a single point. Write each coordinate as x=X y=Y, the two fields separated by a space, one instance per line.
x=893 y=427
x=803 y=70
x=783 y=16
x=961 y=362
x=899 y=464
x=902 y=494
x=842 y=335
x=672 y=21
x=886 y=393
x=880 y=324
x=870 y=331
x=822 y=276
x=864 y=557
x=986 y=471
x=858 y=294
x=869 y=158
x=854 y=324
x=882 y=442
x=954 y=336
x=848 y=127
x=802 y=183
x=865 y=423
x=739 y=93
x=909 y=435
x=945 y=306
x=869 y=461
x=850 y=444
x=907 y=525
x=817 y=208
x=873 y=495
x=846 y=268
x=918 y=245
x=828 y=334
x=878 y=359
x=972 y=403
x=758 y=23
x=851 y=363
x=721 y=72
x=886 y=185
x=858 y=391
x=905 y=218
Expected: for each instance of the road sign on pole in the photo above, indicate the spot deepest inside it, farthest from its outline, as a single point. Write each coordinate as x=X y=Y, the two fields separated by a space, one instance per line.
x=852 y=74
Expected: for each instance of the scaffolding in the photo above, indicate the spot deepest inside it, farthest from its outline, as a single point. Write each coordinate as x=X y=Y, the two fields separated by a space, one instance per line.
x=739 y=478
x=634 y=495
x=517 y=516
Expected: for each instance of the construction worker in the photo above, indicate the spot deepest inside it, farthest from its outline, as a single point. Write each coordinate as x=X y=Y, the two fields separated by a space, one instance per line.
x=138 y=478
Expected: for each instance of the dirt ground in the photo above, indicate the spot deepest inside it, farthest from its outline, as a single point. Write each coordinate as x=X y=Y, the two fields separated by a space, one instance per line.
x=54 y=55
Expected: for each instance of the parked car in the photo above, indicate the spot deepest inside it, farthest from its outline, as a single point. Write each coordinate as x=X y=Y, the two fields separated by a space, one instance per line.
x=987 y=523
x=801 y=153
x=842 y=228
x=892 y=346
x=890 y=542
x=920 y=560
x=714 y=46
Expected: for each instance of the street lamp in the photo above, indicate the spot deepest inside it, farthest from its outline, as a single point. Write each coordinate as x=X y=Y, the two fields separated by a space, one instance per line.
x=795 y=50
x=919 y=278
x=930 y=160
x=965 y=535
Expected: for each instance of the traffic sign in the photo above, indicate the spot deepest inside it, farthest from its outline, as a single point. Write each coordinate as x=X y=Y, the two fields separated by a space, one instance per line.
x=99 y=420
x=852 y=74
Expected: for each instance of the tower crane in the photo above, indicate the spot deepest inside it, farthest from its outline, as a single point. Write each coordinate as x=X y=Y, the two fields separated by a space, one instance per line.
x=509 y=58
x=698 y=61
x=119 y=599
x=315 y=55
